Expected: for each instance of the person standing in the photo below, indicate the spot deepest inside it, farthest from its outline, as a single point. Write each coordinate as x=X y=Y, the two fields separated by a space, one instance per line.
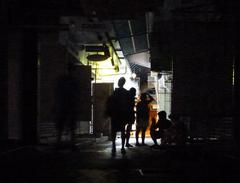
x=117 y=109
x=142 y=121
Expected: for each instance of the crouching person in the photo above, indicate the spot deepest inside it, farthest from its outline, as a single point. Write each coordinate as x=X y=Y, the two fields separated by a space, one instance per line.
x=159 y=128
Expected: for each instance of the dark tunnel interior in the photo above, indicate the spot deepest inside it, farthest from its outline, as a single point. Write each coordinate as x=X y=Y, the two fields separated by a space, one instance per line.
x=119 y=91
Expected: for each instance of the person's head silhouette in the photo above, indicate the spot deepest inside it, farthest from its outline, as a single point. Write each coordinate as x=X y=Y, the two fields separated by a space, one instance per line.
x=121 y=82
x=162 y=115
x=132 y=91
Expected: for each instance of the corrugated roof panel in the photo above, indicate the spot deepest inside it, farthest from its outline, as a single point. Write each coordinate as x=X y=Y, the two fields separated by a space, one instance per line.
x=127 y=46
x=141 y=43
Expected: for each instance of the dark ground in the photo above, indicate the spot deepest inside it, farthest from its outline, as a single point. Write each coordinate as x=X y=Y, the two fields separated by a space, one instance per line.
x=199 y=162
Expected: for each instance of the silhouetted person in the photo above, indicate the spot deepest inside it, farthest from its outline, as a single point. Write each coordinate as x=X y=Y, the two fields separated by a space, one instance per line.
x=143 y=110
x=117 y=109
x=158 y=128
x=131 y=115
x=66 y=105
x=176 y=134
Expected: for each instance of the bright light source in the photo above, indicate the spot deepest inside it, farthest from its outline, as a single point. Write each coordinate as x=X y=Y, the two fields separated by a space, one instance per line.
x=134 y=75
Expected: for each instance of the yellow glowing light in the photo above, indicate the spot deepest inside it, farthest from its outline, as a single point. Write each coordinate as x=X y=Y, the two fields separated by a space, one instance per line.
x=106 y=68
x=103 y=68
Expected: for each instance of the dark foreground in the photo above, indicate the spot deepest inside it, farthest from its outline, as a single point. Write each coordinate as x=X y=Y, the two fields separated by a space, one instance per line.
x=91 y=162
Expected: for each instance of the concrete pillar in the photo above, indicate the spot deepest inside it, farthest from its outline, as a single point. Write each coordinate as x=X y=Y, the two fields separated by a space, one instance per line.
x=29 y=86
x=3 y=71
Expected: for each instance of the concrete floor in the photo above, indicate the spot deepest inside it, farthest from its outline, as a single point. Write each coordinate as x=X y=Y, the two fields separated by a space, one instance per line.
x=199 y=162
